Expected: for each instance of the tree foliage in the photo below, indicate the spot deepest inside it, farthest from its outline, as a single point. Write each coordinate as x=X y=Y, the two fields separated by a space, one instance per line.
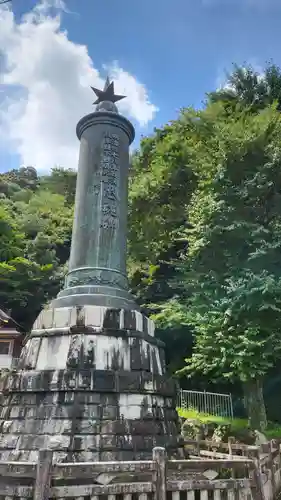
x=232 y=267
x=35 y=228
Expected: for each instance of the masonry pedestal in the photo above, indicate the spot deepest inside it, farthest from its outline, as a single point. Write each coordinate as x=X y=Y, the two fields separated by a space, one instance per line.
x=91 y=385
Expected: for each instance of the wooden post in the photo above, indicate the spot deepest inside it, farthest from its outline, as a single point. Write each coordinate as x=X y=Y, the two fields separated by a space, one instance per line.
x=198 y=440
x=275 y=446
x=230 y=441
x=272 y=448
x=43 y=475
x=267 y=449
x=278 y=464
x=159 y=479
x=257 y=491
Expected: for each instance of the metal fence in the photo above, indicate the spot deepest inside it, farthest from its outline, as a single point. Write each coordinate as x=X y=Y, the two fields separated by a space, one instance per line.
x=211 y=403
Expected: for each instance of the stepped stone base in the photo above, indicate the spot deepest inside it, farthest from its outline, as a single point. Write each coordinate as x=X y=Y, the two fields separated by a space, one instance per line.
x=91 y=385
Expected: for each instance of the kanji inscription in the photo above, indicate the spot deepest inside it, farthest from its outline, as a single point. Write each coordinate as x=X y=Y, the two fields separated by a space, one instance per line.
x=105 y=184
x=110 y=179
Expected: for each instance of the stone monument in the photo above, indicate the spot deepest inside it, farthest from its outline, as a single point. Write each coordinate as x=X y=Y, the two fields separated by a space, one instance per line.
x=91 y=380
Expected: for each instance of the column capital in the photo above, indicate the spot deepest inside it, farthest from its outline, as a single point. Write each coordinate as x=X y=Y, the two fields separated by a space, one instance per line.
x=104 y=118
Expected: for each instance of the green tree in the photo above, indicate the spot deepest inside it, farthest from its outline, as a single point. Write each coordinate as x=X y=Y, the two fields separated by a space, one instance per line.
x=46 y=216
x=23 y=178
x=250 y=89
x=60 y=181
x=232 y=267
x=161 y=184
x=35 y=234
x=11 y=243
x=26 y=286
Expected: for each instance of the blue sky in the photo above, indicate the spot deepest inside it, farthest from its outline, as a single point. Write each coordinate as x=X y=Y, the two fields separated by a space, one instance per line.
x=176 y=50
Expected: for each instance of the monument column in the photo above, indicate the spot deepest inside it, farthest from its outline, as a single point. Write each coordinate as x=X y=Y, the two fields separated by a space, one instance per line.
x=91 y=382
x=97 y=266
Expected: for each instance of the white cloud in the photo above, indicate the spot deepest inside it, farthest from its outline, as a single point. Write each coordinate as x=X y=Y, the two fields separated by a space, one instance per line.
x=46 y=79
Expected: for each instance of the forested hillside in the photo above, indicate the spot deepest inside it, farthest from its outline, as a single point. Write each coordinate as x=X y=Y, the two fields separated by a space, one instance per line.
x=204 y=242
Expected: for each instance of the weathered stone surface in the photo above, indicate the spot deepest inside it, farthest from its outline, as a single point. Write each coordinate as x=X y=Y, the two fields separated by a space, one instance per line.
x=92 y=318
x=102 y=397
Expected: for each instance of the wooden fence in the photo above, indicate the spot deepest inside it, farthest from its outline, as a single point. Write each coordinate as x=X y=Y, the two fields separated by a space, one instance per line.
x=256 y=475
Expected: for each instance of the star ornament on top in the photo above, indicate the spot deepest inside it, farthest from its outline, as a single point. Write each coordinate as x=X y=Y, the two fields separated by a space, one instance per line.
x=107 y=94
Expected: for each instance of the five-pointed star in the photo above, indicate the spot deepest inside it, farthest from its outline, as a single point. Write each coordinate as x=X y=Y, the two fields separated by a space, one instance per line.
x=107 y=94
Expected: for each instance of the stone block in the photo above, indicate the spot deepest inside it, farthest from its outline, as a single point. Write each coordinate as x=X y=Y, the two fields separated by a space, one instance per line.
x=69 y=380
x=109 y=399
x=63 y=398
x=73 y=360
x=148 y=384
x=45 y=320
x=44 y=380
x=162 y=360
x=29 y=412
x=85 y=380
x=125 y=442
x=54 y=412
x=30 y=360
x=108 y=442
x=114 y=427
x=145 y=356
x=5 y=399
x=94 y=316
x=139 y=321
x=31 y=442
x=129 y=381
x=169 y=402
x=171 y=428
x=88 y=355
x=130 y=320
x=58 y=442
x=109 y=412
x=111 y=319
x=14 y=381
x=145 y=325
x=171 y=415
x=6 y=427
x=104 y=381
x=4 y=382
x=165 y=386
x=88 y=397
x=23 y=399
x=80 y=456
x=80 y=316
x=5 y=413
x=150 y=327
x=8 y=441
x=141 y=427
x=86 y=426
x=14 y=412
x=86 y=442
x=53 y=352
x=155 y=366
x=108 y=456
x=88 y=412
x=61 y=317
x=135 y=353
